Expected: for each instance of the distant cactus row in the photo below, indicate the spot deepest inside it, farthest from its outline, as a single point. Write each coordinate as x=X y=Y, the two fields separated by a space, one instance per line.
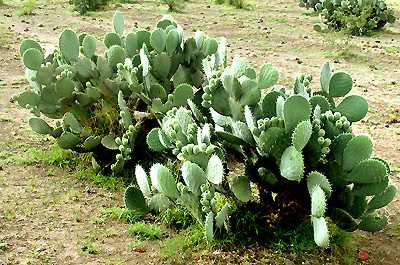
x=298 y=142
x=356 y=17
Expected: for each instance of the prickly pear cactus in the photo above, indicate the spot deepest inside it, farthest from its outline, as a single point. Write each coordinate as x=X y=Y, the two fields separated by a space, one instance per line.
x=141 y=76
x=355 y=17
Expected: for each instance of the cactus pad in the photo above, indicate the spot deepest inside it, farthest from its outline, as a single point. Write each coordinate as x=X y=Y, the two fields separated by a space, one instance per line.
x=292 y=164
x=135 y=201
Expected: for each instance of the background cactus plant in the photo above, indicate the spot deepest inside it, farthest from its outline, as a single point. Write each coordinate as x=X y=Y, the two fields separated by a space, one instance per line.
x=356 y=17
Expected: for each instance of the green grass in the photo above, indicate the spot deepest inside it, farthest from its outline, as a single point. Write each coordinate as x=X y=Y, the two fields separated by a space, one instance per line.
x=120 y=214
x=176 y=245
x=143 y=230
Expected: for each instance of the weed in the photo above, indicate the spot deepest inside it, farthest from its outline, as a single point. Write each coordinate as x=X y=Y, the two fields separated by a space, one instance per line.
x=97 y=220
x=177 y=217
x=144 y=230
x=5 y=154
x=3 y=246
x=89 y=246
x=190 y=238
x=174 y=5
x=121 y=214
x=28 y=8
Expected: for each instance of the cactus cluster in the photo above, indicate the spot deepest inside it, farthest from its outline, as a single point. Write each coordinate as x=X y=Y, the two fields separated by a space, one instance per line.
x=296 y=142
x=357 y=17
x=143 y=74
x=290 y=138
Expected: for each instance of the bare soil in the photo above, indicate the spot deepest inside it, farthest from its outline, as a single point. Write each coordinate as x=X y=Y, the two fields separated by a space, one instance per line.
x=46 y=213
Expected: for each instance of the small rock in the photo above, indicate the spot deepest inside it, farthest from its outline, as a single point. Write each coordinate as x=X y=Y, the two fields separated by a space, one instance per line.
x=139 y=249
x=41 y=26
x=363 y=256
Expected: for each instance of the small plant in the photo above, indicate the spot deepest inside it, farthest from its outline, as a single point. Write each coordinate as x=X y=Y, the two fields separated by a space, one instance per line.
x=174 y=5
x=219 y=2
x=121 y=214
x=85 y=6
x=144 y=230
x=237 y=3
x=28 y=8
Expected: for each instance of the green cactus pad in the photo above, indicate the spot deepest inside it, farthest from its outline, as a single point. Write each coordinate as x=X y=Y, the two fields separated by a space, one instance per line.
x=240 y=186
x=44 y=76
x=292 y=164
x=194 y=177
x=251 y=93
x=28 y=97
x=316 y=178
x=383 y=199
x=321 y=233
x=116 y=54
x=65 y=87
x=40 y=126
x=358 y=206
x=370 y=189
x=302 y=134
x=192 y=203
x=143 y=37
x=272 y=141
x=135 y=201
x=318 y=202
x=326 y=74
x=182 y=93
x=118 y=22
x=340 y=84
x=339 y=144
x=142 y=180
x=209 y=227
x=159 y=202
x=210 y=46
x=109 y=142
x=112 y=39
x=321 y=101
x=343 y=220
x=242 y=131
x=163 y=181
x=172 y=41
x=158 y=40
x=268 y=76
x=354 y=107
x=131 y=44
x=371 y=224
x=357 y=149
x=89 y=46
x=69 y=45
x=239 y=66
x=215 y=170
x=368 y=171
x=222 y=216
x=232 y=86
x=250 y=121
x=230 y=138
x=296 y=109
x=28 y=44
x=161 y=66
x=91 y=142
x=68 y=141
x=33 y=59
x=268 y=104
x=70 y=121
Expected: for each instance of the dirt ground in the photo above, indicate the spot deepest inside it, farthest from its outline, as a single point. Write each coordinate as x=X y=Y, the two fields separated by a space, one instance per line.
x=46 y=214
